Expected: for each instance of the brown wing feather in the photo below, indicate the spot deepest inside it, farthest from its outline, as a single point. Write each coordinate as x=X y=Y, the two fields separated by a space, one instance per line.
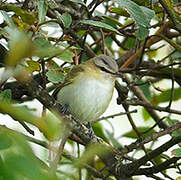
x=69 y=78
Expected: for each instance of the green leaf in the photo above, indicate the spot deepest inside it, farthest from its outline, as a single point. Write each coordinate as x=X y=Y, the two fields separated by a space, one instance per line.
x=119 y=11
x=43 y=48
x=132 y=133
x=177 y=152
x=165 y=96
x=66 y=19
x=26 y=16
x=20 y=47
x=18 y=160
x=5 y=96
x=172 y=122
x=145 y=89
x=41 y=42
x=23 y=114
x=108 y=20
x=33 y=65
x=176 y=55
x=55 y=73
x=42 y=10
x=141 y=15
x=142 y=32
x=145 y=114
x=98 y=130
x=100 y=25
x=5 y=141
x=148 y=13
x=66 y=55
x=8 y=19
x=55 y=76
x=130 y=42
x=89 y=154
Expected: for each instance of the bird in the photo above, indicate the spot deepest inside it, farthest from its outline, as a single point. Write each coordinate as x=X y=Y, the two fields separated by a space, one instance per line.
x=88 y=88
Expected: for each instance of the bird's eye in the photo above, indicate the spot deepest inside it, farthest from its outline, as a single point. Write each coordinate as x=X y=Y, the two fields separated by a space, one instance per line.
x=104 y=69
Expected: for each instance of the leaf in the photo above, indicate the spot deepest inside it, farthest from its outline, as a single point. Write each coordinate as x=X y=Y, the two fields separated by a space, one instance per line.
x=177 y=152
x=89 y=154
x=141 y=33
x=26 y=16
x=145 y=114
x=119 y=11
x=50 y=127
x=41 y=42
x=165 y=96
x=66 y=55
x=100 y=25
x=18 y=160
x=108 y=20
x=8 y=19
x=148 y=13
x=42 y=10
x=172 y=122
x=55 y=76
x=5 y=141
x=98 y=130
x=33 y=65
x=5 y=96
x=20 y=47
x=43 y=48
x=141 y=15
x=145 y=89
x=176 y=55
x=130 y=42
x=55 y=73
x=66 y=19
x=132 y=133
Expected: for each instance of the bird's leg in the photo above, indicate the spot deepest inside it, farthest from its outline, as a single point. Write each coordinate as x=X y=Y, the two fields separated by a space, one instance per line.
x=88 y=125
x=64 y=108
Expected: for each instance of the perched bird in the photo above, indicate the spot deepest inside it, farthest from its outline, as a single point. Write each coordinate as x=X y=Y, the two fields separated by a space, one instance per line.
x=88 y=88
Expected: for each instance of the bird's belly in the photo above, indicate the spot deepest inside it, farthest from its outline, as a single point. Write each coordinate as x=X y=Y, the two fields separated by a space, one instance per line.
x=86 y=99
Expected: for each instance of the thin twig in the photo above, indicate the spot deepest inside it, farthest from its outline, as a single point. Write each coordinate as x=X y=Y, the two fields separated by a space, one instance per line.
x=114 y=115
x=135 y=102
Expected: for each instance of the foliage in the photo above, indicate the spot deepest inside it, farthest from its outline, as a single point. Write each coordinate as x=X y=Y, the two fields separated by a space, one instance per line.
x=41 y=40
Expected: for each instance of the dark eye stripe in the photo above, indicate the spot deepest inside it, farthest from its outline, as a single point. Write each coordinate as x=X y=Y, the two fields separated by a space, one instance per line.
x=104 y=69
x=105 y=62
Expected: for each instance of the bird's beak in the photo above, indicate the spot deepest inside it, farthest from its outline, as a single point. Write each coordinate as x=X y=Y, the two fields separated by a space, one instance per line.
x=118 y=74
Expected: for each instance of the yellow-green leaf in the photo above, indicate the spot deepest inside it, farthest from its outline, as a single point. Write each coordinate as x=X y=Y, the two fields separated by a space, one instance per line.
x=33 y=65
x=20 y=46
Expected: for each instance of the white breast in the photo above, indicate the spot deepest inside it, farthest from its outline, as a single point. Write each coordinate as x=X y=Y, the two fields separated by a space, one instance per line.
x=87 y=98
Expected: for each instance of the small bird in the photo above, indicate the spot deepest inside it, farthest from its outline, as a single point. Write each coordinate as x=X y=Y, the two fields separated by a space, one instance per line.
x=88 y=88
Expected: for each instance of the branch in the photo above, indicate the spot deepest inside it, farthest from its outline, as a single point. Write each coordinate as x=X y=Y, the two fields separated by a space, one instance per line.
x=148 y=139
x=131 y=168
x=138 y=92
x=171 y=15
x=157 y=168
x=146 y=105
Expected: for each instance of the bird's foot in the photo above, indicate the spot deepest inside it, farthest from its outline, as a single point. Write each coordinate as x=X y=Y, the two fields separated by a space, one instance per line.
x=64 y=109
x=88 y=125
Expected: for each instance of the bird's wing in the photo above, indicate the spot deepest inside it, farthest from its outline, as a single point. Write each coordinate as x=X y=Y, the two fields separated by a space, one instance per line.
x=69 y=78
